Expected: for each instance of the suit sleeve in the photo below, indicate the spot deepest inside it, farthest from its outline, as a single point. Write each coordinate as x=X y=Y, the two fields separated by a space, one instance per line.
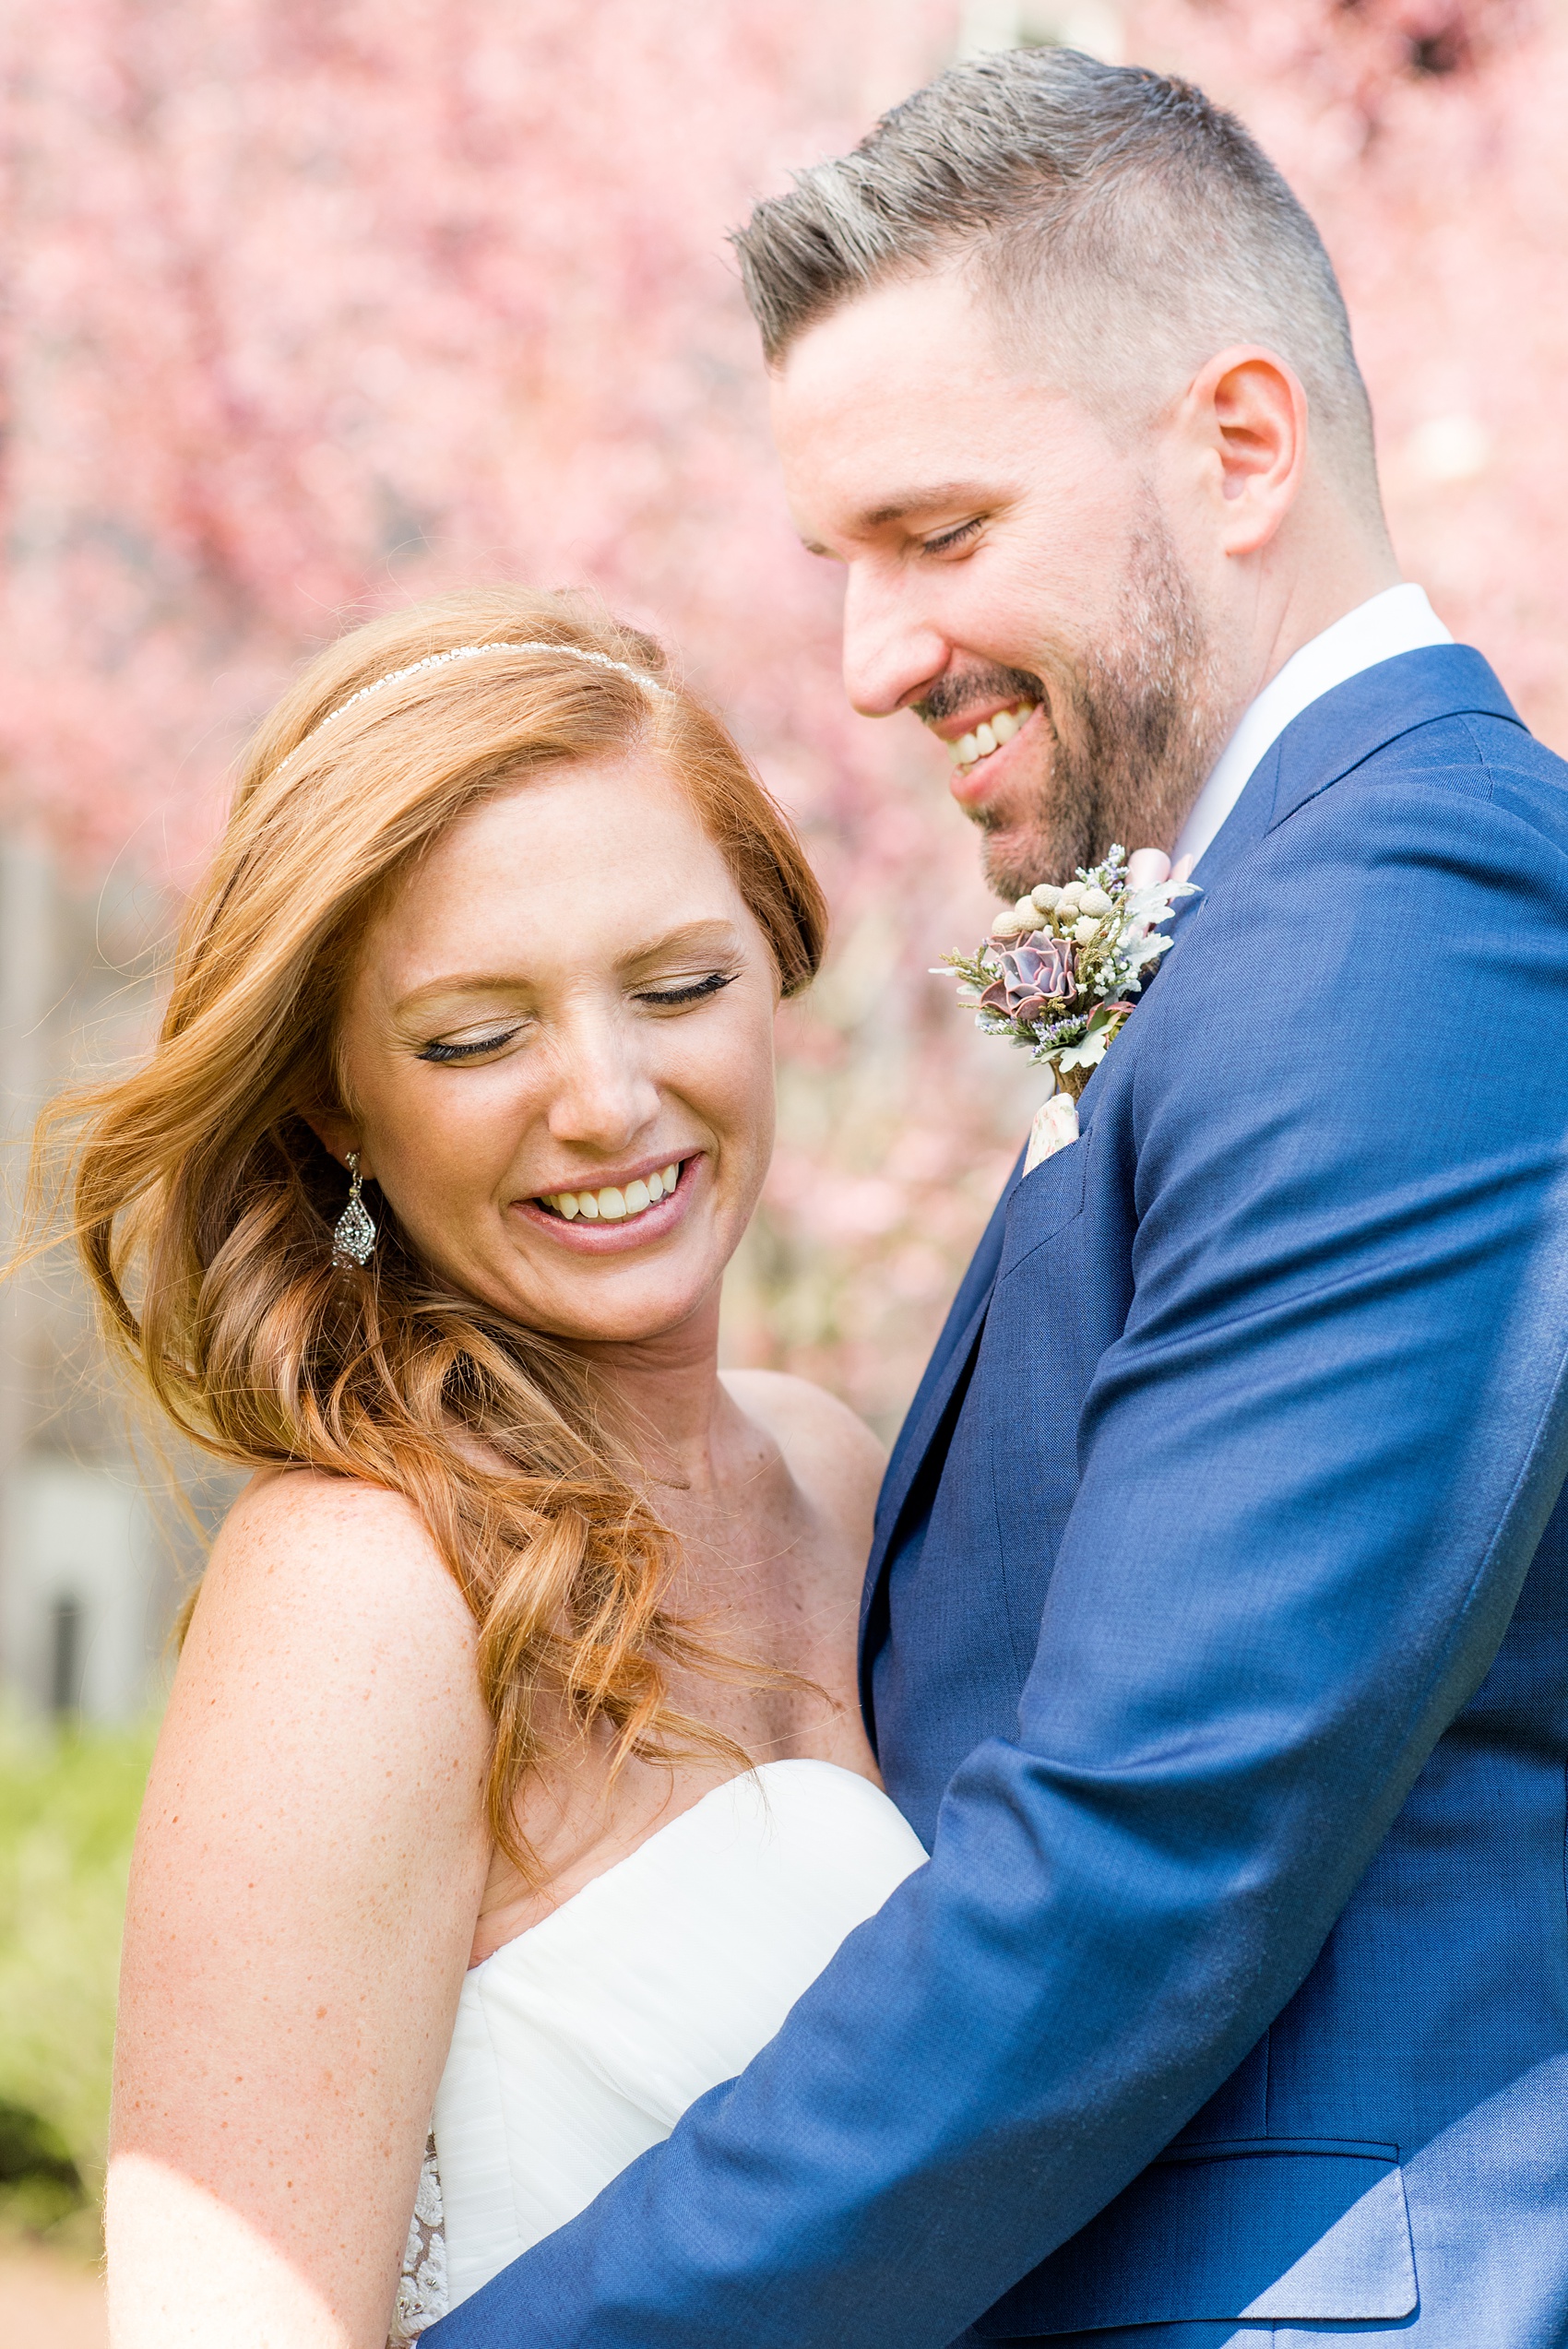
x=1315 y=1467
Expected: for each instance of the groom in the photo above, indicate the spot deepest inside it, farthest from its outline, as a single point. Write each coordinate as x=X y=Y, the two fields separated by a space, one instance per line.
x=1215 y=1639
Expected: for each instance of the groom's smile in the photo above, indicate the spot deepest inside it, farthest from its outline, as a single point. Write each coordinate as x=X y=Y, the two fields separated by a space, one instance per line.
x=978 y=713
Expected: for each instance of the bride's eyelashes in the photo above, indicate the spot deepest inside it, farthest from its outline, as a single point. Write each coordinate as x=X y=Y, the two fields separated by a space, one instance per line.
x=471 y=1050
x=694 y=992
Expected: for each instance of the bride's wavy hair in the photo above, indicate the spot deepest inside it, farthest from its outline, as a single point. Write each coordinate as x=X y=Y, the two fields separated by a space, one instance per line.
x=205 y=1205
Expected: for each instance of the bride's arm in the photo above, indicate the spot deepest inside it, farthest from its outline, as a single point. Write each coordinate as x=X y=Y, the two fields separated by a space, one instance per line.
x=307 y=1873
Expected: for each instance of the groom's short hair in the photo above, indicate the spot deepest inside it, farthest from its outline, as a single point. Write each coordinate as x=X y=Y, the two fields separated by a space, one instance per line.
x=1136 y=223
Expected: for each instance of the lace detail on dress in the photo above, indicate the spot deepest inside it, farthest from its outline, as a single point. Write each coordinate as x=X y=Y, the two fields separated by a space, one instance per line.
x=421 y=2284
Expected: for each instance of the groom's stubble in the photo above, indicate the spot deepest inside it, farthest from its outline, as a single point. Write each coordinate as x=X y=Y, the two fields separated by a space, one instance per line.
x=1132 y=723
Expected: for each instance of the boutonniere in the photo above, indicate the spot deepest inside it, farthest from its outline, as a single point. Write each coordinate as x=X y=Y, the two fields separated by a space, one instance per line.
x=1059 y=974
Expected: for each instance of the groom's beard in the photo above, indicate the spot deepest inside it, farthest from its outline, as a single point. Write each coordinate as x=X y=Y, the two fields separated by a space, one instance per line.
x=1132 y=727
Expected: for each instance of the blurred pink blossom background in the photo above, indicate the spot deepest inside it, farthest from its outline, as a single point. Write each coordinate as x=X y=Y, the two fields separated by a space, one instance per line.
x=309 y=309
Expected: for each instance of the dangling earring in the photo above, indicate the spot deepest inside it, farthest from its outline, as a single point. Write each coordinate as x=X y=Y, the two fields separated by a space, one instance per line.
x=353 y=1236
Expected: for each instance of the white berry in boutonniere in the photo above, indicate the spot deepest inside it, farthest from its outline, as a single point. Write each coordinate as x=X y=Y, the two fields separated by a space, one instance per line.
x=1060 y=972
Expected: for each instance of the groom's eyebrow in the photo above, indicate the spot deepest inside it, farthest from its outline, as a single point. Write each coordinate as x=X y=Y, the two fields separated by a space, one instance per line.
x=920 y=501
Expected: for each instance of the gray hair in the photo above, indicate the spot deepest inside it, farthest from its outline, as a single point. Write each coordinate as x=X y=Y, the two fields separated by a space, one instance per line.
x=1143 y=221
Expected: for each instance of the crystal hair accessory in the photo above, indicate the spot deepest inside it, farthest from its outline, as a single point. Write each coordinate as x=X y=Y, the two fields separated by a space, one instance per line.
x=1061 y=969
x=353 y=1235
x=473 y=652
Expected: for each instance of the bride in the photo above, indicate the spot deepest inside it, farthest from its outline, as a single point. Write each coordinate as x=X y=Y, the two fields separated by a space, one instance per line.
x=513 y=1783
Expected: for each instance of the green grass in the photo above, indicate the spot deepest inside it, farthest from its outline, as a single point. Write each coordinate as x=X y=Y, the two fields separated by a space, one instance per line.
x=68 y=1806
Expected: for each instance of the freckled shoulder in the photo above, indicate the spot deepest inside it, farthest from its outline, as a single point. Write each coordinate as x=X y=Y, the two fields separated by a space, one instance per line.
x=333 y=1557
x=829 y=1450
x=331 y=1649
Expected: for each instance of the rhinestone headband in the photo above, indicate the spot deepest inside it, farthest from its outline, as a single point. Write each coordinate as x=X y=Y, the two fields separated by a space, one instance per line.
x=472 y=652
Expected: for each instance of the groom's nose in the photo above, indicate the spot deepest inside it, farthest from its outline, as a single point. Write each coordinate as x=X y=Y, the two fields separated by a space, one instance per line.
x=891 y=653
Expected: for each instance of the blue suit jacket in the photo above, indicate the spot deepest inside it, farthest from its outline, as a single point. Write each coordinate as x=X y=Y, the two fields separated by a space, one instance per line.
x=1217 y=1646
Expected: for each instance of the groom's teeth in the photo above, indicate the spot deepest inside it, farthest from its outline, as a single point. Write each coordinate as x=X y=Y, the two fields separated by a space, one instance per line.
x=991 y=736
x=612 y=1205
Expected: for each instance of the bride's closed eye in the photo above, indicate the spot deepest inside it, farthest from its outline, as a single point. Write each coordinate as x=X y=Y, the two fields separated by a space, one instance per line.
x=443 y=1053
x=691 y=993
x=470 y=1048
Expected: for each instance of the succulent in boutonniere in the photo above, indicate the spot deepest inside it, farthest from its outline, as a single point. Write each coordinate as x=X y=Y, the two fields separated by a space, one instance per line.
x=1061 y=970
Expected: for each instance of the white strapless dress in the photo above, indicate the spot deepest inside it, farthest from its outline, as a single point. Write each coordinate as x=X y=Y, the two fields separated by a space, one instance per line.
x=580 y=2043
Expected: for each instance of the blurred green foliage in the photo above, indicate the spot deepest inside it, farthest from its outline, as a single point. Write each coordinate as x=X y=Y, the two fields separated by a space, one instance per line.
x=68 y=1804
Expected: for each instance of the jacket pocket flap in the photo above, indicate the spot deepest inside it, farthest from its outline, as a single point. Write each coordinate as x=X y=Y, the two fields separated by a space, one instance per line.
x=1279 y=2230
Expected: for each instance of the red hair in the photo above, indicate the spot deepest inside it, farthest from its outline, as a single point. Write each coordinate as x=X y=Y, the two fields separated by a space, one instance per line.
x=205 y=1205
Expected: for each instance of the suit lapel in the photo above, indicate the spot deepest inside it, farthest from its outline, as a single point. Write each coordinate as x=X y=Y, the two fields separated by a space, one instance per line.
x=933 y=1399
x=953 y=1351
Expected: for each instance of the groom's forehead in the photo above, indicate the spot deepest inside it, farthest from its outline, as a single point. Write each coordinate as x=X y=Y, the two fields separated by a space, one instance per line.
x=908 y=336
x=897 y=406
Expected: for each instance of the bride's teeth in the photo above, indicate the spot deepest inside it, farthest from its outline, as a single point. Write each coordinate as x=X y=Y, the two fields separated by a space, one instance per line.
x=1004 y=726
x=612 y=1206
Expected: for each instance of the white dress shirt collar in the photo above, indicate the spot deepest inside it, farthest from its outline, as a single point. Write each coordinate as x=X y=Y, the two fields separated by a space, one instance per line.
x=1400 y=620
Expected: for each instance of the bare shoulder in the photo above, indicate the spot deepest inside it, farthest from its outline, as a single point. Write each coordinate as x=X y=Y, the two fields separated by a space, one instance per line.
x=802 y=1417
x=334 y=1594
x=330 y=1542
x=829 y=1450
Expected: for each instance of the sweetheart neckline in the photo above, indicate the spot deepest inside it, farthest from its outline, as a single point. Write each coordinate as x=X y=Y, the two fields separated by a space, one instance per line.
x=786 y=1762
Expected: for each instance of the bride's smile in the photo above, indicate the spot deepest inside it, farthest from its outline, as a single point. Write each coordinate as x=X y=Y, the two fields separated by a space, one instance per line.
x=558 y=1040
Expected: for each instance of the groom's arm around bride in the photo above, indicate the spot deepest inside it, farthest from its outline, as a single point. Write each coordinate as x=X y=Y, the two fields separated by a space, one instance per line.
x=1217 y=1633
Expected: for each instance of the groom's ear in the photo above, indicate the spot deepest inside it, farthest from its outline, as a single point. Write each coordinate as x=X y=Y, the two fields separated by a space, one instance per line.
x=1246 y=414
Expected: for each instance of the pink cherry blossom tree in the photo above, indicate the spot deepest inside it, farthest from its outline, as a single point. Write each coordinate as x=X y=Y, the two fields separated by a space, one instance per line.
x=313 y=307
